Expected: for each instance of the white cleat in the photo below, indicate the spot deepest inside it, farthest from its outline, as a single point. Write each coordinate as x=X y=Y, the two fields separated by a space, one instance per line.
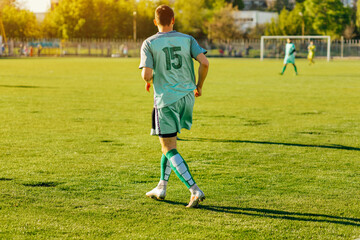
x=158 y=193
x=196 y=198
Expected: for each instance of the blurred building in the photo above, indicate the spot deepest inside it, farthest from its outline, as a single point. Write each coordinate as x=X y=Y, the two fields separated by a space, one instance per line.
x=40 y=16
x=254 y=4
x=263 y=4
x=271 y=3
x=250 y=19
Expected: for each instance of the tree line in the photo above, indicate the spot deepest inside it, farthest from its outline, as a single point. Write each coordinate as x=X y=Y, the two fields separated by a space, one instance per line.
x=320 y=17
x=212 y=19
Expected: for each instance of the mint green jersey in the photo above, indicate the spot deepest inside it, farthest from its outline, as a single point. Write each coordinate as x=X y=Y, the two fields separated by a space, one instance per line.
x=289 y=53
x=170 y=55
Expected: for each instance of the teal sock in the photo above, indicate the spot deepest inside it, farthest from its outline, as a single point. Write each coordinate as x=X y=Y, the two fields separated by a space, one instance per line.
x=180 y=167
x=283 y=70
x=295 y=68
x=165 y=168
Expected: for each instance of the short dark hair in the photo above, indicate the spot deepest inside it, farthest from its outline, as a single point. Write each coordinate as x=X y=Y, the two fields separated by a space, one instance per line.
x=164 y=15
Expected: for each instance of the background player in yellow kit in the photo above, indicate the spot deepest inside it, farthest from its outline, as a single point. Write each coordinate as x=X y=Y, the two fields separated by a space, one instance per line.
x=311 y=55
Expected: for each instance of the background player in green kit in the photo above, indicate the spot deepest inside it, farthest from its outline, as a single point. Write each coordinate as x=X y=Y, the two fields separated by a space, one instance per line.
x=289 y=56
x=167 y=62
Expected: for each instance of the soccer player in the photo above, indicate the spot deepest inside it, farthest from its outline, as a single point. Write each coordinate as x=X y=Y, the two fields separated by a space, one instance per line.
x=167 y=62
x=289 y=56
x=311 y=55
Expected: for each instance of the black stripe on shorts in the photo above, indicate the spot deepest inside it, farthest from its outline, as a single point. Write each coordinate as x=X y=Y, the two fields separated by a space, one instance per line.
x=168 y=135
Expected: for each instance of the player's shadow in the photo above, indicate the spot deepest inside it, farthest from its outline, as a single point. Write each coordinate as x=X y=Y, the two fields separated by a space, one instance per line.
x=340 y=147
x=277 y=214
x=19 y=86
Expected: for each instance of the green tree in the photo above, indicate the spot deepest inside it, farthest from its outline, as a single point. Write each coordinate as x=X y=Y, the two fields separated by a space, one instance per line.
x=190 y=17
x=281 y=4
x=19 y=23
x=214 y=5
x=115 y=18
x=325 y=17
x=145 y=16
x=49 y=27
x=329 y=17
x=222 y=25
x=90 y=19
x=73 y=18
x=185 y=19
x=288 y=23
x=256 y=32
x=106 y=13
x=236 y=3
x=349 y=31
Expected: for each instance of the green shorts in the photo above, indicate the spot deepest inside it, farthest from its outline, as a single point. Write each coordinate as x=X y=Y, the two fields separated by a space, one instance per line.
x=171 y=119
x=289 y=59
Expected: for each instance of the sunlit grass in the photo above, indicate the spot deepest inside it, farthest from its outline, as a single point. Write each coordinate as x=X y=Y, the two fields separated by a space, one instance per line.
x=277 y=156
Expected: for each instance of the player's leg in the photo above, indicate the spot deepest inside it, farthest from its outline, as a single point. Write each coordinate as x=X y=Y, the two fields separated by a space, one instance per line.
x=169 y=121
x=180 y=167
x=296 y=72
x=160 y=191
x=153 y=131
x=165 y=170
x=283 y=70
x=177 y=163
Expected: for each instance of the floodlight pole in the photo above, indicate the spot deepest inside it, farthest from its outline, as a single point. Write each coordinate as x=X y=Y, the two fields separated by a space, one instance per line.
x=302 y=24
x=134 y=25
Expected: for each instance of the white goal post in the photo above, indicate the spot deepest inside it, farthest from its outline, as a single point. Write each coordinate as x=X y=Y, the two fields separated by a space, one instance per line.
x=309 y=37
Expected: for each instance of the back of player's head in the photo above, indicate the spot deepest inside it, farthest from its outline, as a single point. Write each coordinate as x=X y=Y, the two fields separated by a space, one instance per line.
x=289 y=40
x=164 y=15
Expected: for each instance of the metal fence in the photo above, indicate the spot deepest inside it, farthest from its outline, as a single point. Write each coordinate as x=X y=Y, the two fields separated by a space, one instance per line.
x=241 y=48
x=75 y=47
x=347 y=48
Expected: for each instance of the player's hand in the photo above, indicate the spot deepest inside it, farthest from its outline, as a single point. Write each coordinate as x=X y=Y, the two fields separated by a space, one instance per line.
x=197 y=92
x=147 y=86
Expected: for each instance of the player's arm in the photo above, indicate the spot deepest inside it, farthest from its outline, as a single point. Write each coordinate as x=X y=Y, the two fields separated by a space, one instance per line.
x=147 y=74
x=293 y=50
x=203 y=70
x=146 y=64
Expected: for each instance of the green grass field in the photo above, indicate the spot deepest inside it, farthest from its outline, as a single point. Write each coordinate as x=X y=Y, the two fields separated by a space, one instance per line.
x=277 y=156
